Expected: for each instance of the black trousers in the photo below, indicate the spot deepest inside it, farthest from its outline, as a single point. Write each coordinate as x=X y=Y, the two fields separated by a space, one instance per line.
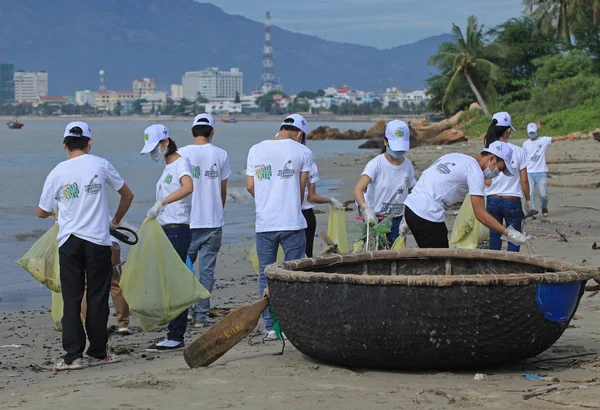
x=79 y=259
x=311 y=222
x=427 y=234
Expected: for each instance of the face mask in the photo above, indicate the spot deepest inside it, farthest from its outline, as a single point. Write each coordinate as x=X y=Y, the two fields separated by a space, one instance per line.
x=532 y=135
x=487 y=174
x=156 y=154
x=395 y=154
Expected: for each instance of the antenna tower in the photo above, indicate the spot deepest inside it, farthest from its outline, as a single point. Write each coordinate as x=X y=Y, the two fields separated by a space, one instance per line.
x=268 y=68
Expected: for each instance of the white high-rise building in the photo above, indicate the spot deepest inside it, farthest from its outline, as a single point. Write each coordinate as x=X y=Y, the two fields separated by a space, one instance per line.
x=212 y=83
x=176 y=92
x=30 y=86
x=85 y=97
x=143 y=86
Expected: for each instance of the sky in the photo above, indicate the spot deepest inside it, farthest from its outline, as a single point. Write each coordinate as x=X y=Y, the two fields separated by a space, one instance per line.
x=378 y=23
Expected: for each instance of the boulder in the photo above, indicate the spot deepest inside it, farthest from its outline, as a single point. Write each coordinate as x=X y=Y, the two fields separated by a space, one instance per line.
x=377 y=130
x=373 y=143
x=474 y=106
x=319 y=133
x=595 y=134
x=579 y=135
x=446 y=137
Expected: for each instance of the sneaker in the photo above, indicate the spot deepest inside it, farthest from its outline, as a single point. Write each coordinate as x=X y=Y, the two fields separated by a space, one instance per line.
x=545 y=211
x=161 y=347
x=190 y=318
x=200 y=325
x=124 y=331
x=110 y=358
x=76 y=364
x=270 y=336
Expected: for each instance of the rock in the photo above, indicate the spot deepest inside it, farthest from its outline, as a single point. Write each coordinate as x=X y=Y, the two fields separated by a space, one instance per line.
x=326 y=133
x=377 y=130
x=474 y=106
x=447 y=137
x=373 y=143
x=319 y=133
x=580 y=135
x=595 y=134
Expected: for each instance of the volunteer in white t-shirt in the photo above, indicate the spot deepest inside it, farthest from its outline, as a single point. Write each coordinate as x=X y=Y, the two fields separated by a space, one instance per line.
x=210 y=171
x=310 y=199
x=78 y=186
x=505 y=194
x=172 y=211
x=387 y=179
x=536 y=148
x=446 y=182
x=276 y=176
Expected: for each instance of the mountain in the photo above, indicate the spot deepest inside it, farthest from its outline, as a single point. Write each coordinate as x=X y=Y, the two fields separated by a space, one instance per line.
x=73 y=39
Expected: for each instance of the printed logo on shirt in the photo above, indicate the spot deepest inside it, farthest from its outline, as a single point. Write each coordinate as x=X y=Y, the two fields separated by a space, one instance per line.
x=168 y=179
x=287 y=172
x=93 y=188
x=196 y=172
x=70 y=191
x=213 y=173
x=537 y=155
x=263 y=172
x=443 y=168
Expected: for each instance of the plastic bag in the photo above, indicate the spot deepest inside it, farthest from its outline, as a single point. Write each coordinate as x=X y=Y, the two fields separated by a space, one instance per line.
x=399 y=243
x=336 y=229
x=57 y=311
x=41 y=260
x=189 y=264
x=253 y=256
x=156 y=283
x=467 y=230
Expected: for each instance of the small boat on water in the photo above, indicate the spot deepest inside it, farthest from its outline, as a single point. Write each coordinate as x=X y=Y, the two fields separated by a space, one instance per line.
x=229 y=120
x=15 y=125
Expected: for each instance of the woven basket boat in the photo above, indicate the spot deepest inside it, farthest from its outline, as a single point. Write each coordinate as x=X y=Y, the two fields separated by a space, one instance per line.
x=425 y=308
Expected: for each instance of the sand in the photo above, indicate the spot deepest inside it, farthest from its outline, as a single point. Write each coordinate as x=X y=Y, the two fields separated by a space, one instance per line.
x=252 y=375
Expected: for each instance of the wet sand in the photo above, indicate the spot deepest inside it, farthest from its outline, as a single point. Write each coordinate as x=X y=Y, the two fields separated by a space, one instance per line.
x=252 y=376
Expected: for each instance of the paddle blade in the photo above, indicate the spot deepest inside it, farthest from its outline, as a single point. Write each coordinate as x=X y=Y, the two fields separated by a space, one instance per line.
x=220 y=338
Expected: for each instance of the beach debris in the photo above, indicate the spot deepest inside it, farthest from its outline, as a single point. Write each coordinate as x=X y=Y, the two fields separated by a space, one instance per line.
x=451 y=399
x=10 y=346
x=122 y=349
x=539 y=392
x=583 y=405
x=480 y=376
x=563 y=237
x=541 y=378
x=595 y=246
x=15 y=374
x=592 y=208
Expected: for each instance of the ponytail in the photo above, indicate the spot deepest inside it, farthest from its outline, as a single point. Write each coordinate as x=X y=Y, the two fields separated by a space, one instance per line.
x=384 y=147
x=494 y=133
x=171 y=148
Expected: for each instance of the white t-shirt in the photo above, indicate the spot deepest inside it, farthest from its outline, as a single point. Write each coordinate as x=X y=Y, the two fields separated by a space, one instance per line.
x=389 y=185
x=177 y=212
x=510 y=186
x=276 y=166
x=446 y=182
x=536 y=154
x=79 y=186
x=210 y=166
x=313 y=177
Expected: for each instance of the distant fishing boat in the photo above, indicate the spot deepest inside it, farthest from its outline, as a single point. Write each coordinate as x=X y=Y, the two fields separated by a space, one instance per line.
x=229 y=120
x=15 y=125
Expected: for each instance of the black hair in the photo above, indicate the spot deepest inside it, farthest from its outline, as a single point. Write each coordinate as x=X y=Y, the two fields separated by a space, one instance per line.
x=202 y=130
x=171 y=148
x=384 y=146
x=76 y=142
x=494 y=133
x=290 y=127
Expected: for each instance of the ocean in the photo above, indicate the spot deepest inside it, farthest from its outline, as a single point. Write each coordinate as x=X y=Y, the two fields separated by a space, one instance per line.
x=30 y=154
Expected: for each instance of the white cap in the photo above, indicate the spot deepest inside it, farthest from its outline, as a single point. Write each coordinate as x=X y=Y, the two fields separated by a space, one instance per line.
x=298 y=121
x=204 y=119
x=398 y=135
x=503 y=119
x=532 y=128
x=503 y=151
x=85 y=128
x=153 y=135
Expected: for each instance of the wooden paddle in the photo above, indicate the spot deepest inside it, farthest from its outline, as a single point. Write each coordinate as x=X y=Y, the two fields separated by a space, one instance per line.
x=220 y=338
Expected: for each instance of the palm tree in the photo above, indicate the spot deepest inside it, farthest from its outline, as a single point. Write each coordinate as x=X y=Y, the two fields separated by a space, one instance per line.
x=558 y=14
x=468 y=59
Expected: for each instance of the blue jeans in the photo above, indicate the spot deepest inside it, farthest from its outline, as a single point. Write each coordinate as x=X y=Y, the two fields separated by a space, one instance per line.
x=267 y=243
x=207 y=242
x=538 y=183
x=180 y=239
x=395 y=232
x=508 y=210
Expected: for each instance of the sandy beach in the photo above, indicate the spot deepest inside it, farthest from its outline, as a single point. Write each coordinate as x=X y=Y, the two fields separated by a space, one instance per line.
x=252 y=376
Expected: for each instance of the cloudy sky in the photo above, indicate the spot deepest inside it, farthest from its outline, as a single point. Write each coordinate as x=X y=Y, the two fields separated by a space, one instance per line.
x=379 y=23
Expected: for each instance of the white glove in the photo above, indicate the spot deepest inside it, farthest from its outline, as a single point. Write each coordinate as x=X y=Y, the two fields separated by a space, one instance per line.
x=516 y=237
x=335 y=204
x=156 y=209
x=404 y=230
x=369 y=216
x=526 y=207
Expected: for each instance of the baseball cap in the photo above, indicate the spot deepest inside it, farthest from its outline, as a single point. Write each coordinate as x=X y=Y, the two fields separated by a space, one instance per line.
x=153 y=135
x=84 y=127
x=204 y=119
x=298 y=121
x=532 y=128
x=398 y=135
x=503 y=119
x=503 y=151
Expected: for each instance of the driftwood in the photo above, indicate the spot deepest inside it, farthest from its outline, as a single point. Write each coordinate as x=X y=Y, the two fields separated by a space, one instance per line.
x=539 y=392
x=332 y=247
x=583 y=405
x=580 y=207
x=562 y=236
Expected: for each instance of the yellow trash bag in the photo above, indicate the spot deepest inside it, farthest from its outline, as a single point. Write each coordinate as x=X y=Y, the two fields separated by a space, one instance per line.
x=467 y=230
x=57 y=311
x=156 y=283
x=253 y=256
x=399 y=243
x=336 y=229
x=41 y=258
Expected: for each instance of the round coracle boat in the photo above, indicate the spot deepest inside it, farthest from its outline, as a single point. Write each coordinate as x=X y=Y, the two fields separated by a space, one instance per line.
x=425 y=308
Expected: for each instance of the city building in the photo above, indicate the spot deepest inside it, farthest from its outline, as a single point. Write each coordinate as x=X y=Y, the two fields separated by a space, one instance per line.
x=30 y=86
x=85 y=97
x=153 y=101
x=223 y=107
x=7 y=83
x=402 y=99
x=176 y=92
x=143 y=86
x=56 y=101
x=212 y=83
x=107 y=100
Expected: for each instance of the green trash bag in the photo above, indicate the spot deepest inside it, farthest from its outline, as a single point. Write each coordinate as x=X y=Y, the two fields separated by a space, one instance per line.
x=56 y=311
x=253 y=256
x=467 y=230
x=41 y=260
x=336 y=229
x=156 y=283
